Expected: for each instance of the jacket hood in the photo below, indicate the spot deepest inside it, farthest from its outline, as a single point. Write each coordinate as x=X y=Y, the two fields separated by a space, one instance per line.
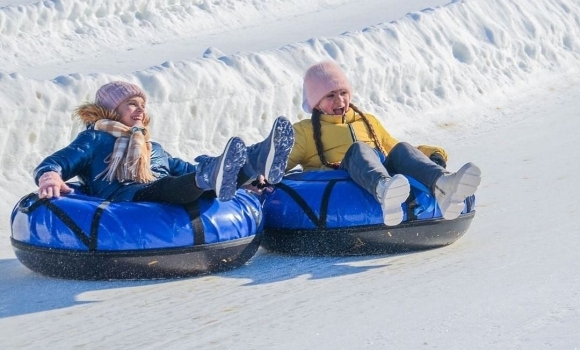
x=90 y=113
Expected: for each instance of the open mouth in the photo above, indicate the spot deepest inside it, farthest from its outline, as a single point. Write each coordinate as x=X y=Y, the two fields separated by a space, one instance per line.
x=338 y=111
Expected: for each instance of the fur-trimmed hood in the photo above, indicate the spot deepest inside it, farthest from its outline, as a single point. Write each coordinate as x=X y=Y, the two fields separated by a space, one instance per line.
x=89 y=113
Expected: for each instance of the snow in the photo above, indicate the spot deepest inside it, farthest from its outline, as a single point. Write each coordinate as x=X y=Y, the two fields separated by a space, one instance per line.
x=495 y=82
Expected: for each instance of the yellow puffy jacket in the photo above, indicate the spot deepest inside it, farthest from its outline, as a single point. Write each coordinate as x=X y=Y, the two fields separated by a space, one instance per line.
x=337 y=136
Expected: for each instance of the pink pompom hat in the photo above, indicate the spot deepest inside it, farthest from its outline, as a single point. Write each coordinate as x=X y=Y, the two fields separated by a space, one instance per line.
x=320 y=79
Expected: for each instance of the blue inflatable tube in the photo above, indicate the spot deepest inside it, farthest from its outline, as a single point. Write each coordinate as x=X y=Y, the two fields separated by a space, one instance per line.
x=81 y=237
x=326 y=213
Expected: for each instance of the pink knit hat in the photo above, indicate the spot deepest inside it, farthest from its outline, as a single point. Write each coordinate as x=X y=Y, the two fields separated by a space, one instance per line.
x=320 y=79
x=112 y=94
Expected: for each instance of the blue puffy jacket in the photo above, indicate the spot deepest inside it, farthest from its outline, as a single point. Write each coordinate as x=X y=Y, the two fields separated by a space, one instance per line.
x=85 y=158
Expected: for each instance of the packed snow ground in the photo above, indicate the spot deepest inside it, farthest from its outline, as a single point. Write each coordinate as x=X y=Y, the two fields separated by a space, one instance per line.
x=494 y=82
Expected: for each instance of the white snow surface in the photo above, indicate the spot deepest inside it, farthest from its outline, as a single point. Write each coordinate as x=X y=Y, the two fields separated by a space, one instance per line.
x=496 y=82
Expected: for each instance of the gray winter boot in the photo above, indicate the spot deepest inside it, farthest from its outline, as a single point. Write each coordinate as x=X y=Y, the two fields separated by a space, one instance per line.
x=452 y=189
x=392 y=192
x=220 y=173
x=270 y=157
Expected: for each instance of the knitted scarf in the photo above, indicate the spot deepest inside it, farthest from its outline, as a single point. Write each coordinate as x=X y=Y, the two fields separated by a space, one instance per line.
x=131 y=156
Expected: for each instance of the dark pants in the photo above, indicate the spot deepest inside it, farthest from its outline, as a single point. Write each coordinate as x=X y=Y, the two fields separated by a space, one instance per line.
x=366 y=168
x=177 y=189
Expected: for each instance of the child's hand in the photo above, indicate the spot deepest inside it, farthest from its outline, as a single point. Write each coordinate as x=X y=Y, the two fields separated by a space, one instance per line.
x=259 y=186
x=438 y=159
x=51 y=185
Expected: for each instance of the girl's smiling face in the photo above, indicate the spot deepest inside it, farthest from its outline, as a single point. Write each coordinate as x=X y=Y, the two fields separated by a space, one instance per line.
x=335 y=102
x=132 y=112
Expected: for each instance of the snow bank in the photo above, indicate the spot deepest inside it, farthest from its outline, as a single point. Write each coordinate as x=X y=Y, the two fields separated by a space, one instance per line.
x=59 y=30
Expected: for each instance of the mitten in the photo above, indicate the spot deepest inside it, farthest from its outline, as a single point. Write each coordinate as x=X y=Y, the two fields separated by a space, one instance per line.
x=438 y=159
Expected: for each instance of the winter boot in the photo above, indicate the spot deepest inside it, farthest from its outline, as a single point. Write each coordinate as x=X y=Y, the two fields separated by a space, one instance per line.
x=220 y=173
x=270 y=157
x=392 y=192
x=452 y=189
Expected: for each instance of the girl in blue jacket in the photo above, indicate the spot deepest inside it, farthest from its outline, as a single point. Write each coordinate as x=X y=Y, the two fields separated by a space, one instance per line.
x=114 y=158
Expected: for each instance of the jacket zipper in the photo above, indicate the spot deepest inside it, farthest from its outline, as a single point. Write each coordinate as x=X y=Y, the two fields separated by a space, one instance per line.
x=352 y=134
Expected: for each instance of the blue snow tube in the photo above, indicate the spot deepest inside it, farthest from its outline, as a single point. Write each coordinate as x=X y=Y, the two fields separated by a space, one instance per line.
x=82 y=237
x=326 y=213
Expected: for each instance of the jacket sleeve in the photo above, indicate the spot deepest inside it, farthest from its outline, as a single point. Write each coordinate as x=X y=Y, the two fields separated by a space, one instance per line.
x=178 y=166
x=71 y=160
x=429 y=150
x=298 y=152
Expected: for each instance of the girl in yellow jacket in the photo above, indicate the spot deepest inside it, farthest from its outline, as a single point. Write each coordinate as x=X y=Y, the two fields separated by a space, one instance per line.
x=340 y=136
